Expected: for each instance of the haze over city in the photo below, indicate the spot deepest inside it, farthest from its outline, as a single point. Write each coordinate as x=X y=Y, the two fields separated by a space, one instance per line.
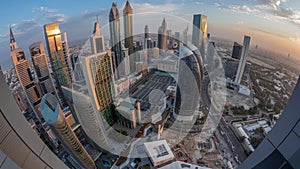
x=271 y=23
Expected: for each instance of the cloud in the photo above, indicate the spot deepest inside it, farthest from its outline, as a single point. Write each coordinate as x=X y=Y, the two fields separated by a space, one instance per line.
x=242 y=9
x=240 y=23
x=146 y=7
x=56 y=18
x=270 y=33
x=49 y=14
x=26 y=25
x=267 y=4
x=295 y=40
x=44 y=9
x=4 y=35
x=216 y=4
x=199 y=3
x=93 y=14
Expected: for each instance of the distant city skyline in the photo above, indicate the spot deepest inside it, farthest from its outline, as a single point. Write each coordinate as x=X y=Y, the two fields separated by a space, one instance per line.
x=273 y=24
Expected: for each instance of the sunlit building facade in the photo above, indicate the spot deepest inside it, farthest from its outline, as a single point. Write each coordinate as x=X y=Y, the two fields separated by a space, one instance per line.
x=98 y=76
x=60 y=62
x=199 y=35
x=115 y=38
x=23 y=72
x=20 y=146
x=128 y=27
x=40 y=63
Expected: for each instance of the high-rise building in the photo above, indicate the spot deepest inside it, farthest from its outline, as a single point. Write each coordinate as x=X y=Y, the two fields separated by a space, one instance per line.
x=162 y=36
x=243 y=60
x=125 y=64
x=88 y=116
x=115 y=37
x=97 y=40
x=23 y=72
x=20 y=100
x=169 y=38
x=69 y=60
x=13 y=44
x=176 y=40
x=40 y=63
x=200 y=32
x=20 y=146
x=58 y=59
x=147 y=38
x=98 y=76
x=237 y=51
x=128 y=28
x=188 y=84
x=185 y=35
x=210 y=55
x=54 y=116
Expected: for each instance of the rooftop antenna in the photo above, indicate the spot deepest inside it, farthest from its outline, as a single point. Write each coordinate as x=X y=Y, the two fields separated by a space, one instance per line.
x=97 y=19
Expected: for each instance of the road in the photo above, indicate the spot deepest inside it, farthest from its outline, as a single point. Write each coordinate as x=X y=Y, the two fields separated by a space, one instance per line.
x=229 y=137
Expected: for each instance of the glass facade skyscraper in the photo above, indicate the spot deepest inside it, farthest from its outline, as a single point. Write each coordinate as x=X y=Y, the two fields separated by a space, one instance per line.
x=20 y=146
x=40 y=63
x=54 y=116
x=115 y=38
x=200 y=32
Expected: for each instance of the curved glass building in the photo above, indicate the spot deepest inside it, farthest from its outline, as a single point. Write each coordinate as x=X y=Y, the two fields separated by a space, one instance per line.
x=20 y=146
x=188 y=83
x=54 y=116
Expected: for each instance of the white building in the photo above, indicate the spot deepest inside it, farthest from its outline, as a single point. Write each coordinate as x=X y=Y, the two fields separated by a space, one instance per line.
x=159 y=152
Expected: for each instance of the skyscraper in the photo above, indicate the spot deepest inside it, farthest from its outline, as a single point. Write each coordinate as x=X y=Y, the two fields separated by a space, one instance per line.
x=54 y=116
x=18 y=142
x=65 y=46
x=20 y=100
x=98 y=76
x=162 y=36
x=13 y=44
x=23 y=72
x=115 y=37
x=88 y=116
x=210 y=55
x=243 y=60
x=237 y=51
x=188 y=84
x=185 y=35
x=128 y=28
x=97 y=40
x=200 y=32
x=147 y=38
x=40 y=63
x=58 y=60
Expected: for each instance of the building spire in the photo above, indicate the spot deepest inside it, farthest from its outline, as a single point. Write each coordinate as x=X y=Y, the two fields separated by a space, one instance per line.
x=127 y=8
x=13 y=43
x=114 y=13
x=96 y=31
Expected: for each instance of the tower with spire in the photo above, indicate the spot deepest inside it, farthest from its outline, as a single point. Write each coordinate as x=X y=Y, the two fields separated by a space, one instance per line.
x=128 y=29
x=13 y=43
x=97 y=40
x=22 y=68
x=162 y=36
x=115 y=37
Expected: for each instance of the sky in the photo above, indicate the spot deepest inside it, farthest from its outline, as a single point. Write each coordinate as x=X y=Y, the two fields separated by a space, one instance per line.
x=273 y=24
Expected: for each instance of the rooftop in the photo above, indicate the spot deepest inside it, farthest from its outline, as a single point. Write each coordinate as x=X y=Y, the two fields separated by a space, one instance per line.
x=159 y=152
